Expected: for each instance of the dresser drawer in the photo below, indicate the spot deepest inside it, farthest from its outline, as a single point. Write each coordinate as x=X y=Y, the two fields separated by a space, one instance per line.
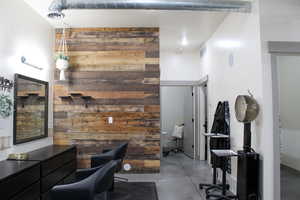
x=31 y=193
x=19 y=182
x=46 y=195
x=56 y=162
x=57 y=176
x=68 y=180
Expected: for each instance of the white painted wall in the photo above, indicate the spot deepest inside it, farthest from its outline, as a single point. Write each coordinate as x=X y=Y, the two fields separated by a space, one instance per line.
x=172 y=107
x=279 y=22
x=180 y=66
x=288 y=78
x=233 y=63
x=24 y=33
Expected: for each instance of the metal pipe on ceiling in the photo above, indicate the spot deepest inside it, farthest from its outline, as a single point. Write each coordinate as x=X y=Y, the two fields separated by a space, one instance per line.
x=57 y=6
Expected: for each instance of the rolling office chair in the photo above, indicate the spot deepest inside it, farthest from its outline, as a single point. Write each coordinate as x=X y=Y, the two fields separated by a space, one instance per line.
x=118 y=153
x=177 y=138
x=93 y=186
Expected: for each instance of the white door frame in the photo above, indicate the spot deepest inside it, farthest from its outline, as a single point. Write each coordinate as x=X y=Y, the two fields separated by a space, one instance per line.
x=201 y=144
x=194 y=84
x=278 y=49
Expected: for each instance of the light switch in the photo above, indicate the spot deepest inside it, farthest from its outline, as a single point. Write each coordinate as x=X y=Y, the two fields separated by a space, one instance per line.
x=110 y=120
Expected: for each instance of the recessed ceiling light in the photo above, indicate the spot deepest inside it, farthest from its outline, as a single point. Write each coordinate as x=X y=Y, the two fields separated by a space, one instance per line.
x=184 y=41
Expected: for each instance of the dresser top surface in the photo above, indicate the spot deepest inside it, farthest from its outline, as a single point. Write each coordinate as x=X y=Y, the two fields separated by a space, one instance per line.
x=48 y=152
x=9 y=168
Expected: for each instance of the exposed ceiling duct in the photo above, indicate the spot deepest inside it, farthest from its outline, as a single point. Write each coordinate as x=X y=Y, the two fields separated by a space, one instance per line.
x=57 y=6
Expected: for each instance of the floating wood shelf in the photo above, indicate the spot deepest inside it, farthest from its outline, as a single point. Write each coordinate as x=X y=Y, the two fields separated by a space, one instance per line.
x=23 y=97
x=76 y=94
x=41 y=98
x=87 y=100
x=65 y=98
x=33 y=94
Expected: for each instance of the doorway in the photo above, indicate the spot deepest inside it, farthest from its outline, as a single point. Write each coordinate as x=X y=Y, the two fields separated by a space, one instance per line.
x=286 y=73
x=177 y=110
x=185 y=103
x=201 y=118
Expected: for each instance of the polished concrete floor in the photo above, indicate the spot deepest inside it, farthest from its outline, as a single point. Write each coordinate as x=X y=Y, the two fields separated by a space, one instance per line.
x=178 y=179
x=290 y=184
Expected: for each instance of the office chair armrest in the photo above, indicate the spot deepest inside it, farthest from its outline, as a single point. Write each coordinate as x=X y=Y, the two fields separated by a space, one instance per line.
x=106 y=150
x=75 y=191
x=84 y=173
x=101 y=159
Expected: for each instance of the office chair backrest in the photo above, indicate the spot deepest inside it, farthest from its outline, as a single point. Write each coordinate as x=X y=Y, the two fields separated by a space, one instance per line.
x=120 y=151
x=178 y=131
x=86 y=189
x=119 y=154
x=102 y=180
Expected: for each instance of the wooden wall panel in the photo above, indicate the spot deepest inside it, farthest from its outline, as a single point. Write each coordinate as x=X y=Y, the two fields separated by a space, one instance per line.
x=119 y=69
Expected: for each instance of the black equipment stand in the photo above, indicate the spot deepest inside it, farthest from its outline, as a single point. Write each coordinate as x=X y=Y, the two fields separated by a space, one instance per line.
x=248 y=175
x=217 y=141
x=247 y=137
x=223 y=155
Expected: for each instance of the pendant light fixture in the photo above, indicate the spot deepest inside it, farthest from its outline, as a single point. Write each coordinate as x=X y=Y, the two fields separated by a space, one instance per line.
x=62 y=59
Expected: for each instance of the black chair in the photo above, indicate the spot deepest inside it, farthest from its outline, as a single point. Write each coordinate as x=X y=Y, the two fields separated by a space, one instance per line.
x=118 y=153
x=95 y=184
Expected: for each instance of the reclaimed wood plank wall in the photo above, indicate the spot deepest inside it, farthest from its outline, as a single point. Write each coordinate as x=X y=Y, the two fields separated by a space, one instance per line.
x=119 y=69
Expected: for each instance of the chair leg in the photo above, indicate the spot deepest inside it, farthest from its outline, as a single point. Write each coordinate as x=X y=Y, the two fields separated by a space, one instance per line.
x=201 y=186
x=221 y=197
x=121 y=179
x=112 y=187
x=106 y=195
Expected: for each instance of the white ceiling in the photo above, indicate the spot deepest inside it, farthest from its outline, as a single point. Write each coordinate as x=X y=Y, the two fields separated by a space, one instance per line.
x=195 y=27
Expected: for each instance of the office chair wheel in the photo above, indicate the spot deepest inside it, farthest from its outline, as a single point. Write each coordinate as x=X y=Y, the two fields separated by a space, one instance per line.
x=203 y=186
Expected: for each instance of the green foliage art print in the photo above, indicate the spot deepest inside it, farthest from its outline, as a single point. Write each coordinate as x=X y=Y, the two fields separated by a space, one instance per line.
x=5 y=106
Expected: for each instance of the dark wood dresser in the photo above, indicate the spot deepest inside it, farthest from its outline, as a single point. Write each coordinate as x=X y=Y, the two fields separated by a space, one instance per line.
x=19 y=180
x=58 y=166
x=45 y=168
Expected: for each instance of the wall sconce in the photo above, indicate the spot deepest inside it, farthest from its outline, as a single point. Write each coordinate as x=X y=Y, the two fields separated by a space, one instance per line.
x=23 y=60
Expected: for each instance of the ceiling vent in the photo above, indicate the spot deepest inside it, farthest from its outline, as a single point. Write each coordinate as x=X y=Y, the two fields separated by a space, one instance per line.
x=57 y=6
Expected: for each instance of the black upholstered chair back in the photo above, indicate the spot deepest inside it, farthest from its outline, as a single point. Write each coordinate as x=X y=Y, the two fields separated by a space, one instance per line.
x=87 y=189
x=120 y=151
x=102 y=179
x=119 y=154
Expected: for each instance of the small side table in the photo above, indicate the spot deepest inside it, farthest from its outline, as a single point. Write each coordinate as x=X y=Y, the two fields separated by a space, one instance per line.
x=223 y=155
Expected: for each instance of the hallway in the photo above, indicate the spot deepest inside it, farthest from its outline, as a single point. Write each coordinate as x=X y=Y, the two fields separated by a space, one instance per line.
x=178 y=179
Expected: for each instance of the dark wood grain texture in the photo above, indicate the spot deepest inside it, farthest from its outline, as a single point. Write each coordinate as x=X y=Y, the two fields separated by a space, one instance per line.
x=119 y=69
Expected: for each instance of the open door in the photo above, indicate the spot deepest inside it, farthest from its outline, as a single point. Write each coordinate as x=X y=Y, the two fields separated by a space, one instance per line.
x=189 y=136
x=203 y=122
